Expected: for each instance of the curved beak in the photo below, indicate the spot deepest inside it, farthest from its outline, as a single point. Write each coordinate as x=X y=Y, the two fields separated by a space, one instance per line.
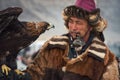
x=50 y=26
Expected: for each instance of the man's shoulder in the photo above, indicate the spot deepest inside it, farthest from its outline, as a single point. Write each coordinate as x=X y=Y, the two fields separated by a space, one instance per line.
x=66 y=34
x=98 y=49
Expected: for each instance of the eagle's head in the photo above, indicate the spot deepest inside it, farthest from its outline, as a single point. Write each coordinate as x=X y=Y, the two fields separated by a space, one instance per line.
x=35 y=28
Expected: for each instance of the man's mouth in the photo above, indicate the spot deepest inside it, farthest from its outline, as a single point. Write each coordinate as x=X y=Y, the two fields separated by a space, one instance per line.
x=75 y=33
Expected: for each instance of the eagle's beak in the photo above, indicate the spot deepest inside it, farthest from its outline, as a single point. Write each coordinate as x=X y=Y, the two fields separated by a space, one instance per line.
x=50 y=26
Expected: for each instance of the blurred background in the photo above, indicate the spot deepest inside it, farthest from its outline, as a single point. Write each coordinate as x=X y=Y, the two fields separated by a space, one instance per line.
x=51 y=11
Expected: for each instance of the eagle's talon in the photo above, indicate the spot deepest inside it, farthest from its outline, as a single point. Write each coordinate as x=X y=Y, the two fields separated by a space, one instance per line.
x=5 y=69
x=19 y=72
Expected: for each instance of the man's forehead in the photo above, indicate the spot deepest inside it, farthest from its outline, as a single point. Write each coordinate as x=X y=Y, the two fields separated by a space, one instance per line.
x=77 y=19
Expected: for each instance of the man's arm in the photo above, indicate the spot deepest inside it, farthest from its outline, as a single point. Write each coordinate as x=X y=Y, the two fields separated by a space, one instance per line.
x=111 y=72
x=49 y=56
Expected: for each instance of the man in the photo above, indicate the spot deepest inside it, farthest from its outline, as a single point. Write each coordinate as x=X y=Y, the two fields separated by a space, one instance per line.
x=81 y=54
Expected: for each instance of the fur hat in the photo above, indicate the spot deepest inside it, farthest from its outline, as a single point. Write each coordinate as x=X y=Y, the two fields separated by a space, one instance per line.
x=85 y=9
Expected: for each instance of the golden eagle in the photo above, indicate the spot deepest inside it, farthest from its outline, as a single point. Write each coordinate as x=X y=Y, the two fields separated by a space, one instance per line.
x=16 y=35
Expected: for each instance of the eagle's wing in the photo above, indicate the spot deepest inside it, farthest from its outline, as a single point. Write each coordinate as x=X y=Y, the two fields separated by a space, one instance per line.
x=7 y=15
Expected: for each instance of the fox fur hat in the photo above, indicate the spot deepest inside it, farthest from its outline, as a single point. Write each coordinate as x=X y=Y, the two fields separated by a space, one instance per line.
x=85 y=9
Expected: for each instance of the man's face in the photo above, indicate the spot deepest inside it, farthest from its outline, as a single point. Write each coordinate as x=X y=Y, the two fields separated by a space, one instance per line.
x=76 y=25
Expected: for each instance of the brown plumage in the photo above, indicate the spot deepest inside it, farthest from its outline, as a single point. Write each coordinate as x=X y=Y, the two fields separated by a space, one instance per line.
x=16 y=35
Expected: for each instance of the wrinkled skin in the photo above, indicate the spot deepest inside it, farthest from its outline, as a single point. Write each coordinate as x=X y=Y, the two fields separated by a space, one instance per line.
x=16 y=35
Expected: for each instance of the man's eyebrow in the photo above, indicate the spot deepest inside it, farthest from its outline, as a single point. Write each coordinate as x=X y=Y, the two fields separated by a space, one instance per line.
x=70 y=19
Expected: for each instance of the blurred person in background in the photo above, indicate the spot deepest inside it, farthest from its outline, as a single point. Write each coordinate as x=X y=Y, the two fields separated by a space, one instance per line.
x=26 y=57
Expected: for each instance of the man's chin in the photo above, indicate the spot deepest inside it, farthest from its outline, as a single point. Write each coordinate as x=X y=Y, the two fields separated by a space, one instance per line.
x=73 y=35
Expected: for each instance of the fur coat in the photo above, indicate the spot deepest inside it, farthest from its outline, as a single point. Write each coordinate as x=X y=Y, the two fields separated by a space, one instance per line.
x=96 y=63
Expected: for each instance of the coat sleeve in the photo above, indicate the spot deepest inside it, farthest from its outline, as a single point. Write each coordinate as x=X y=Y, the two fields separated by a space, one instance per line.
x=47 y=57
x=111 y=71
x=36 y=69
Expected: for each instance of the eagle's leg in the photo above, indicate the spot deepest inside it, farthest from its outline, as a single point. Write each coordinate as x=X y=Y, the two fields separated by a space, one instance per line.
x=5 y=69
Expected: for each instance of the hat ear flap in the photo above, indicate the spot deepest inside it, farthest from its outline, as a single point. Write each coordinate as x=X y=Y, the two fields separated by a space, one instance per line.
x=95 y=20
x=101 y=25
x=93 y=17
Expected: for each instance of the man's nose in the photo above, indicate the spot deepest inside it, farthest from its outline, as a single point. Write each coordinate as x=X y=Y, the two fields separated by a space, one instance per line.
x=74 y=26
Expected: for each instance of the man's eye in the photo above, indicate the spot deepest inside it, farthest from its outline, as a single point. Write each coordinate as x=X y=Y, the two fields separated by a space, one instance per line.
x=79 y=23
x=70 y=21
